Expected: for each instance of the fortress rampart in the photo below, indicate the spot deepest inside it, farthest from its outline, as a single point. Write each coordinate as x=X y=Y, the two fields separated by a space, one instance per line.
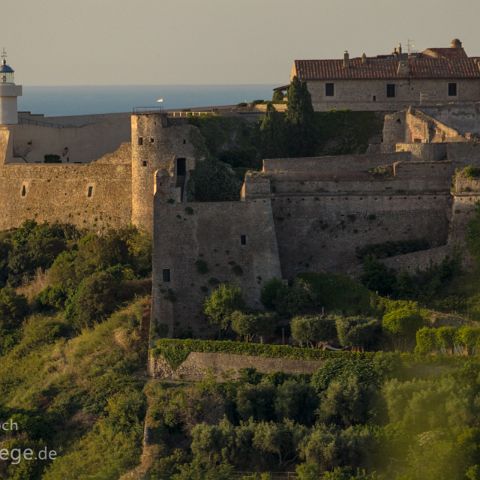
x=295 y=215
x=198 y=245
x=96 y=196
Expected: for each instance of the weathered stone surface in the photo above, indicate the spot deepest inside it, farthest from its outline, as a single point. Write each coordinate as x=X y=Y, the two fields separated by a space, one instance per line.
x=227 y=366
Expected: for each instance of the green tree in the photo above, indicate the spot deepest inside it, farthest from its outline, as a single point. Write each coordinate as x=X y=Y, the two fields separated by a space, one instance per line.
x=273 y=134
x=296 y=401
x=446 y=337
x=402 y=325
x=222 y=302
x=96 y=298
x=469 y=338
x=13 y=308
x=251 y=325
x=300 y=119
x=313 y=329
x=256 y=402
x=426 y=340
x=359 y=332
x=377 y=277
x=277 y=96
x=213 y=181
x=271 y=292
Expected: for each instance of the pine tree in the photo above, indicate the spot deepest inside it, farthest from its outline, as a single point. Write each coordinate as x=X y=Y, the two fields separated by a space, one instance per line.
x=300 y=120
x=273 y=134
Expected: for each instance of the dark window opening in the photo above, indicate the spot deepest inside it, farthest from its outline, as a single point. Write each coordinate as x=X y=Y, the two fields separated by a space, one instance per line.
x=140 y=140
x=417 y=140
x=90 y=192
x=152 y=140
x=24 y=191
x=144 y=163
x=329 y=89
x=391 y=90
x=184 y=141
x=243 y=239
x=452 y=89
x=374 y=98
x=181 y=167
x=166 y=274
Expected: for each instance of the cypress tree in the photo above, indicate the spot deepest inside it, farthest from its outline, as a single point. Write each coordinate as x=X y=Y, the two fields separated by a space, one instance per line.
x=273 y=134
x=300 y=120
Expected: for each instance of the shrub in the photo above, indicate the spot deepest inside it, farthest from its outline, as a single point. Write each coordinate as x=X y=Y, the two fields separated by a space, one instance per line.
x=310 y=330
x=213 y=181
x=337 y=293
x=359 y=332
x=271 y=292
x=402 y=324
x=426 y=340
x=96 y=298
x=13 y=308
x=222 y=302
x=251 y=325
x=378 y=277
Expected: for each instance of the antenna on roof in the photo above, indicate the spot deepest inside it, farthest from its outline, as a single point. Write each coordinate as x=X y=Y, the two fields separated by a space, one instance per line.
x=411 y=46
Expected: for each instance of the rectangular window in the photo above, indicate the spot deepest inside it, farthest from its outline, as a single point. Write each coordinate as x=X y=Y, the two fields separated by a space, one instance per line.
x=90 y=192
x=391 y=90
x=243 y=239
x=181 y=167
x=452 y=89
x=166 y=274
x=144 y=163
x=329 y=89
x=152 y=140
x=140 y=140
x=24 y=190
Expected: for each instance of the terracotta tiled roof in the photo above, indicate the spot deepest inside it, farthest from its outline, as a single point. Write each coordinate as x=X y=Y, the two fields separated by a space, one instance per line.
x=448 y=53
x=386 y=67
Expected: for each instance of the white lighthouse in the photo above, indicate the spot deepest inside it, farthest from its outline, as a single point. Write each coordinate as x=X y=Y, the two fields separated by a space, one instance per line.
x=8 y=93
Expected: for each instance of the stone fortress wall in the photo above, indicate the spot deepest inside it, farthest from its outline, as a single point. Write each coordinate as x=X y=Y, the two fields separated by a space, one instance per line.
x=295 y=215
x=317 y=213
x=76 y=139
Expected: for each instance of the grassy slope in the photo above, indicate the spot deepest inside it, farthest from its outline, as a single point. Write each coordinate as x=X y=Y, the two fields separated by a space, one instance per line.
x=68 y=383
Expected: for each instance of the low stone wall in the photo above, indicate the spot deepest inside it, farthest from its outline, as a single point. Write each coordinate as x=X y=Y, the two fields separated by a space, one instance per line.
x=422 y=260
x=226 y=366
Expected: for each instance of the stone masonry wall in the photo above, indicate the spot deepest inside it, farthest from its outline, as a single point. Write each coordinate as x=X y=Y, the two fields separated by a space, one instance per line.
x=73 y=144
x=202 y=244
x=371 y=95
x=158 y=143
x=322 y=233
x=95 y=195
x=225 y=366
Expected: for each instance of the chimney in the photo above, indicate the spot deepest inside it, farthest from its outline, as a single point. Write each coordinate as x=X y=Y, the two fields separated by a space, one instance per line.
x=403 y=69
x=346 y=59
x=399 y=49
x=456 y=43
x=364 y=58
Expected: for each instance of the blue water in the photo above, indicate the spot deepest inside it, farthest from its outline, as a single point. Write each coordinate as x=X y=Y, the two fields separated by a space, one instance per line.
x=78 y=100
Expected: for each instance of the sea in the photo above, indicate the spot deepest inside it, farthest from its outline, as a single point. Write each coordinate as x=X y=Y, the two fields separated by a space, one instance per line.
x=83 y=100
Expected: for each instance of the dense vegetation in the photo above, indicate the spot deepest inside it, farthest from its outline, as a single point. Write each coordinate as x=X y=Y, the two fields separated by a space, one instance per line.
x=382 y=417
x=72 y=356
x=232 y=145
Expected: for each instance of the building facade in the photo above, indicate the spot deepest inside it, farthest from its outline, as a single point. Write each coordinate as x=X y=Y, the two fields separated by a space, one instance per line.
x=392 y=82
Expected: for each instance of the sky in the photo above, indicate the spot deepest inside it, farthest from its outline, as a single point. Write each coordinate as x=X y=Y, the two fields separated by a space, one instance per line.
x=192 y=42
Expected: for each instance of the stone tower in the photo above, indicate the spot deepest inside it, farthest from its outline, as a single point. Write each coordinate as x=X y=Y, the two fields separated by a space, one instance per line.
x=158 y=143
x=9 y=92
